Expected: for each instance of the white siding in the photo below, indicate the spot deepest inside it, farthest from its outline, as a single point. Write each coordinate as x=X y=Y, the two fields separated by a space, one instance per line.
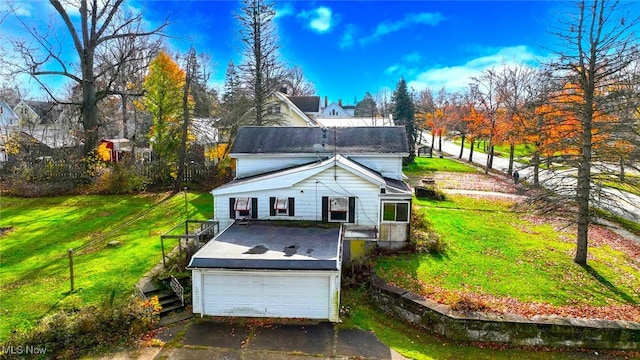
x=308 y=197
x=259 y=164
x=389 y=166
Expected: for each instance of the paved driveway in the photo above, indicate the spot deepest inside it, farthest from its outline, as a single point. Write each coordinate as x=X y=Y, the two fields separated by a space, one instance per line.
x=206 y=338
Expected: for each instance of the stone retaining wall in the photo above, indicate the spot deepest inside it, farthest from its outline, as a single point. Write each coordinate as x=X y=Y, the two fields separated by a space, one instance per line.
x=508 y=329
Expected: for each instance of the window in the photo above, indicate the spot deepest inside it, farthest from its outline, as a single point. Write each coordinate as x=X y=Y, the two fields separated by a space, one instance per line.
x=242 y=207
x=395 y=212
x=338 y=209
x=281 y=206
x=274 y=110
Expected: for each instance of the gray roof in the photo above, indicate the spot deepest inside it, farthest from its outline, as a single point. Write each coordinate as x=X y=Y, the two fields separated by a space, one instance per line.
x=285 y=245
x=347 y=140
x=308 y=104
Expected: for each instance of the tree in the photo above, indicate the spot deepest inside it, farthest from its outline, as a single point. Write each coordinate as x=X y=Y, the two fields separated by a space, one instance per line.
x=296 y=84
x=403 y=114
x=599 y=47
x=261 y=71
x=485 y=92
x=164 y=90
x=366 y=107
x=101 y=25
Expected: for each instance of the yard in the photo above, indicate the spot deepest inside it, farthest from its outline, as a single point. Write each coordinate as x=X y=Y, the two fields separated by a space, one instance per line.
x=505 y=259
x=38 y=232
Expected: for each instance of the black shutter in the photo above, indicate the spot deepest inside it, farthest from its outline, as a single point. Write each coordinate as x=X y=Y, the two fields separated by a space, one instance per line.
x=272 y=204
x=352 y=209
x=325 y=209
x=254 y=208
x=232 y=210
x=291 y=207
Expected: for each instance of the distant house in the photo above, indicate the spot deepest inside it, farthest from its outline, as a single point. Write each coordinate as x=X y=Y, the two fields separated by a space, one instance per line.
x=304 y=199
x=290 y=114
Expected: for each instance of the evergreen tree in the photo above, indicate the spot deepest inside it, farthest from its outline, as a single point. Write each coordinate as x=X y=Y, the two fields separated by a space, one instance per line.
x=403 y=110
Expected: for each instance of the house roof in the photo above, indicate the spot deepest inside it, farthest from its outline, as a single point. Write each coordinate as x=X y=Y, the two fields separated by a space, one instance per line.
x=308 y=104
x=290 y=245
x=309 y=140
x=289 y=177
x=47 y=111
x=284 y=98
x=354 y=121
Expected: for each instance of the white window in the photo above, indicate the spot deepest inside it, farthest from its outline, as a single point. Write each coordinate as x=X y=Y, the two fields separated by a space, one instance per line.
x=242 y=207
x=338 y=208
x=281 y=206
x=395 y=212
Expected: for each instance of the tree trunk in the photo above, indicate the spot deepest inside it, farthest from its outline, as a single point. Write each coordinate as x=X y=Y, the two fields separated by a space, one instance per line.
x=471 y=151
x=536 y=167
x=89 y=108
x=584 y=182
x=512 y=150
x=461 y=147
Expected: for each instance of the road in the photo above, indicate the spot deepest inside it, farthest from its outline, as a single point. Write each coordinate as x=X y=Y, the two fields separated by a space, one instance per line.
x=621 y=203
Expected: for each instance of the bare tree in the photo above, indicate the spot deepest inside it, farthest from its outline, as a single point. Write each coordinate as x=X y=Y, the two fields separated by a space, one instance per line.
x=599 y=47
x=296 y=84
x=261 y=71
x=102 y=24
x=485 y=92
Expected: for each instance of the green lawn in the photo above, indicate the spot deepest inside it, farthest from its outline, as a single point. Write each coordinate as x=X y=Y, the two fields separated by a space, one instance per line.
x=425 y=165
x=492 y=250
x=34 y=269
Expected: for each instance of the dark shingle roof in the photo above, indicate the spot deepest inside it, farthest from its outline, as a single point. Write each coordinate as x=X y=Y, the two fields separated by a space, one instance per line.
x=306 y=104
x=349 y=140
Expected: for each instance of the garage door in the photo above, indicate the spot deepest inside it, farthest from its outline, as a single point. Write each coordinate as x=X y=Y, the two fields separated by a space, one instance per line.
x=266 y=295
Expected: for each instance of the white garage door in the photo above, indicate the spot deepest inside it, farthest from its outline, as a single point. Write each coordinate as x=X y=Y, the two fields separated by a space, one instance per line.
x=266 y=295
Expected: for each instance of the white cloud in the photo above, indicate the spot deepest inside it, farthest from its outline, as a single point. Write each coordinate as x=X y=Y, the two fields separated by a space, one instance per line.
x=285 y=10
x=348 y=37
x=389 y=27
x=320 y=19
x=458 y=77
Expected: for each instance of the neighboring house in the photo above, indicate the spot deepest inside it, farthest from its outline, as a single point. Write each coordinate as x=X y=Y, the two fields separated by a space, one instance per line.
x=41 y=120
x=304 y=199
x=309 y=105
x=291 y=115
x=334 y=110
x=8 y=121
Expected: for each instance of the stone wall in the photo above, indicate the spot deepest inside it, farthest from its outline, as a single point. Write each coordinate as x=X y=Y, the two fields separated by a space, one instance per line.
x=508 y=329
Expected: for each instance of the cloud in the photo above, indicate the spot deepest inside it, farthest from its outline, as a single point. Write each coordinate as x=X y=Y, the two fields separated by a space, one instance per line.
x=389 y=27
x=348 y=37
x=320 y=19
x=284 y=11
x=458 y=77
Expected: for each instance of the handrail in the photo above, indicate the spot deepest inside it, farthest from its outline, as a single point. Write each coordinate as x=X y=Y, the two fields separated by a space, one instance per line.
x=177 y=288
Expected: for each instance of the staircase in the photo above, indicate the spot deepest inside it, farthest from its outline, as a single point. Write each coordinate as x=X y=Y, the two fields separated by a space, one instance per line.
x=171 y=299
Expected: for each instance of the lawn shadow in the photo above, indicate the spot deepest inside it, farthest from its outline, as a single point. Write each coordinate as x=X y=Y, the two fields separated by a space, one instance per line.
x=601 y=279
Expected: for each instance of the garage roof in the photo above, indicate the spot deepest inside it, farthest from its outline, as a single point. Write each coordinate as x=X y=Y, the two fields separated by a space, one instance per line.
x=285 y=245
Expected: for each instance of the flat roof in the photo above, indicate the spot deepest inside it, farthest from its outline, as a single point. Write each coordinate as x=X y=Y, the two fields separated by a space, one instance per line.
x=278 y=245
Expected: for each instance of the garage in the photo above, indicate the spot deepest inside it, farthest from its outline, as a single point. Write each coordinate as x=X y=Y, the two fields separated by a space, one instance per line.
x=267 y=270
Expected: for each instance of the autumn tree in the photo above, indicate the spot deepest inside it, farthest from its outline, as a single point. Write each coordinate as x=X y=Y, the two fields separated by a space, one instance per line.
x=403 y=114
x=262 y=71
x=163 y=99
x=598 y=46
x=485 y=92
x=100 y=26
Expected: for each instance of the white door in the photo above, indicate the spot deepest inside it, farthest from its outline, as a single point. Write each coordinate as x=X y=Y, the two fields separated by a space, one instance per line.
x=266 y=295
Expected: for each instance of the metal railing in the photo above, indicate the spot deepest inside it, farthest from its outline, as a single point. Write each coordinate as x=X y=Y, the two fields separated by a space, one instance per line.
x=177 y=288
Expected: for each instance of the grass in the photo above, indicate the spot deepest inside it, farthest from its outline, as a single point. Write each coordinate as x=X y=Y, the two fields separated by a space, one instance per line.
x=415 y=343
x=502 y=150
x=493 y=250
x=425 y=165
x=35 y=265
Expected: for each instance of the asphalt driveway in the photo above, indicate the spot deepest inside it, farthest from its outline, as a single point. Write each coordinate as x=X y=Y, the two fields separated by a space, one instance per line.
x=208 y=338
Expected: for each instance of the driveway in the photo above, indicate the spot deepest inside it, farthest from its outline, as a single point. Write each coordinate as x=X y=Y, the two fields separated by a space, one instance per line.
x=209 y=338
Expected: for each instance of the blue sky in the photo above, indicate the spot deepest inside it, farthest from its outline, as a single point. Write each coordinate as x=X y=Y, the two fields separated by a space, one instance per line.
x=347 y=48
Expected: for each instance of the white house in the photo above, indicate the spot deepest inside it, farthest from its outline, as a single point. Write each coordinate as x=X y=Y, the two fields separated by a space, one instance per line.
x=304 y=199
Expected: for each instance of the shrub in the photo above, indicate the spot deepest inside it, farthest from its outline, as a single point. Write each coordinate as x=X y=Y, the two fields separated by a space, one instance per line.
x=119 y=179
x=423 y=238
x=72 y=334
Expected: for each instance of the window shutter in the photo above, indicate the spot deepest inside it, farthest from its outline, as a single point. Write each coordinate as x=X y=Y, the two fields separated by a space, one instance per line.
x=352 y=209
x=272 y=204
x=254 y=208
x=325 y=209
x=291 y=207
x=232 y=210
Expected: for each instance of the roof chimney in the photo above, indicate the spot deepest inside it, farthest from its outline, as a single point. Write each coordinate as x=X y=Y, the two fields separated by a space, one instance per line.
x=326 y=99
x=340 y=102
